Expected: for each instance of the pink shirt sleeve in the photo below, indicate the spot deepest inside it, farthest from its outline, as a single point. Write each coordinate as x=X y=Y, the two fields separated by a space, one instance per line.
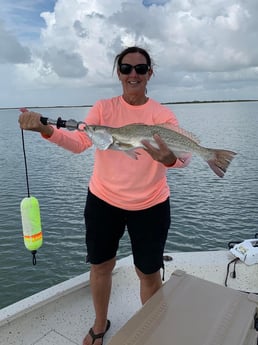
x=74 y=141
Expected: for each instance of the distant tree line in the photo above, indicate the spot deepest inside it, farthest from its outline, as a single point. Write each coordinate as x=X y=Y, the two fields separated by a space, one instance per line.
x=180 y=102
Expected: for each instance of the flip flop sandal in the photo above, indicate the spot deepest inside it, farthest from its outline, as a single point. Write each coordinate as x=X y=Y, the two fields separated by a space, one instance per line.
x=99 y=335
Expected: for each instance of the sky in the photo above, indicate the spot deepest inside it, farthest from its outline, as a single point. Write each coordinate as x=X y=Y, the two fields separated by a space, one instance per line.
x=61 y=52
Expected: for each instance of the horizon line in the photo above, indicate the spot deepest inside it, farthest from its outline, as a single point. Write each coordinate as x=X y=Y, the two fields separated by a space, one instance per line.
x=163 y=103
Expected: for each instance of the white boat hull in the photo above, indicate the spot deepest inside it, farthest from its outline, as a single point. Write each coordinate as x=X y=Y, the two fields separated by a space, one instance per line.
x=64 y=313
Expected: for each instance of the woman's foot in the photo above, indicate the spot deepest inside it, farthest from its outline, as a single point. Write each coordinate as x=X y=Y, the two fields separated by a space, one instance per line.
x=95 y=338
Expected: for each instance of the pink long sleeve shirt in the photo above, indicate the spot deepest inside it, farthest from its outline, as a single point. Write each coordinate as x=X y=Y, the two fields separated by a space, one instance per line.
x=118 y=179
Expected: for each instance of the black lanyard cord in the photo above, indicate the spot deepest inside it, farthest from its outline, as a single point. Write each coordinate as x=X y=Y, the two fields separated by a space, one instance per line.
x=25 y=163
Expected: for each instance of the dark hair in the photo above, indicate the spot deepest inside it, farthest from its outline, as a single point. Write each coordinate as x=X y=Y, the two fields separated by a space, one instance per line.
x=119 y=57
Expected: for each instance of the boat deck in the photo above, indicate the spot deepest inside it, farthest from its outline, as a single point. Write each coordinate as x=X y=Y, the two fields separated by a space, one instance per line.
x=62 y=315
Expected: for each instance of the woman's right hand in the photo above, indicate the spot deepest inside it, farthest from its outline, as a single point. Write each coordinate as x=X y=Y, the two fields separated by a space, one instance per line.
x=30 y=120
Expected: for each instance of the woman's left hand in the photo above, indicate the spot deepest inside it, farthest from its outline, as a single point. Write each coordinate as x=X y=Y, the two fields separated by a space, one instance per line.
x=161 y=154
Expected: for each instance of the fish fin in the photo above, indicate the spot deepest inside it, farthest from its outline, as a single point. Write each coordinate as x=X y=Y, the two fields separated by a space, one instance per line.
x=132 y=154
x=180 y=130
x=129 y=150
x=185 y=159
x=220 y=161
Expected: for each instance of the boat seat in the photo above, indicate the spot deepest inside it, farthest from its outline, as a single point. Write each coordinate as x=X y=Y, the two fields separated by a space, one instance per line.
x=194 y=311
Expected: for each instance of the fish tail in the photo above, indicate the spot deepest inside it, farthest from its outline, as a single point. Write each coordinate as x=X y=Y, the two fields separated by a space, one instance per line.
x=220 y=161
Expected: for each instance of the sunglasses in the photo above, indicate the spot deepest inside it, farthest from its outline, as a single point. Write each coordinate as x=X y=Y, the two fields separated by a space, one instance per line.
x=126 y=68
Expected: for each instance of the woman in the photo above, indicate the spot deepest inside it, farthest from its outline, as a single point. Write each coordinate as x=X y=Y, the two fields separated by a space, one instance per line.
x=122 y=192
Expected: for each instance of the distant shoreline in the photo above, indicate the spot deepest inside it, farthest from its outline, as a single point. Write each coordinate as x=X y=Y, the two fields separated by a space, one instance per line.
x=164 y=103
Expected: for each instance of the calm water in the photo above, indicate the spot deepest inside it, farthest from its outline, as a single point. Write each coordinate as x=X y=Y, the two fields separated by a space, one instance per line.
x=207 y=211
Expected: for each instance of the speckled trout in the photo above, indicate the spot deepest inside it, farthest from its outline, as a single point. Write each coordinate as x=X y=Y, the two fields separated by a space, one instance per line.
x=129 y=138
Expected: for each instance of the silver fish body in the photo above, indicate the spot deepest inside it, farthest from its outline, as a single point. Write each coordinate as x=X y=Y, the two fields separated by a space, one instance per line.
x=129 y=138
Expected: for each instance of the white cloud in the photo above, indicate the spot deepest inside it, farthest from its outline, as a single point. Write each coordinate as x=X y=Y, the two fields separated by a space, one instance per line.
x=11 y=50
x=201 y=50
x=64 y=63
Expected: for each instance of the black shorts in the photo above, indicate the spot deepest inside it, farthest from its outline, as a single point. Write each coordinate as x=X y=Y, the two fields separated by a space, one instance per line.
x=148 y=229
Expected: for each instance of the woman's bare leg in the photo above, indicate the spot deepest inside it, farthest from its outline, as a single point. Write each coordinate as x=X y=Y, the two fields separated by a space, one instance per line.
x=149 y=284
x=100 y=283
